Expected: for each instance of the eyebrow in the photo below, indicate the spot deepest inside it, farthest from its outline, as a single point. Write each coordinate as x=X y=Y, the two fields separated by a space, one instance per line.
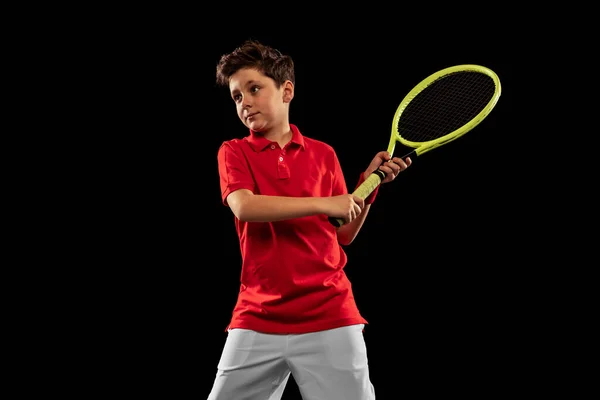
x=249 y=83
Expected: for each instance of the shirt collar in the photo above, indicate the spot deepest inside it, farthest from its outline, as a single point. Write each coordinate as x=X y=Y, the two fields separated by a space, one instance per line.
x=259 y=143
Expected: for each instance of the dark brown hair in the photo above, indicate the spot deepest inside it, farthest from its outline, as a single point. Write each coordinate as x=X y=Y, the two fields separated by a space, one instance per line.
x=255 y=55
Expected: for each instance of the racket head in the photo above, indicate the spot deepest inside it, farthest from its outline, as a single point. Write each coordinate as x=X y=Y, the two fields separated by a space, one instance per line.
x=444 y=106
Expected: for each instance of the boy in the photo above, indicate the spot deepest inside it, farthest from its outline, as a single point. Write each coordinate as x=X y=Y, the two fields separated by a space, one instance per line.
x=295 y=312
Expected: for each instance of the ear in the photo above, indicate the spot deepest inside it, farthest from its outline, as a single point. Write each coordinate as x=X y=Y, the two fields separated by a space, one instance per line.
x=288 y=91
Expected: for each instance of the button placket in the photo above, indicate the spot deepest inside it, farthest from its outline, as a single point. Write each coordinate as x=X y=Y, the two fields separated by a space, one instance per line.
x=282 y=169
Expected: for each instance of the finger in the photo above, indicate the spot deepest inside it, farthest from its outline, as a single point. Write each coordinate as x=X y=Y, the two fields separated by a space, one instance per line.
x=403 y=165
x=357 y=211
x=400 y=162
x=391 y=168
x=359 y=201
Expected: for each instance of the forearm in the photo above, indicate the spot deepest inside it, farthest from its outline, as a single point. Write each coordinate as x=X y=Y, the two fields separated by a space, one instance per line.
x=348 y=232
x=259 y=208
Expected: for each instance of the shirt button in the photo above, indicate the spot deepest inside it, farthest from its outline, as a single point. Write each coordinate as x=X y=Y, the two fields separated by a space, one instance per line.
x=280 y=158
x=272 y=147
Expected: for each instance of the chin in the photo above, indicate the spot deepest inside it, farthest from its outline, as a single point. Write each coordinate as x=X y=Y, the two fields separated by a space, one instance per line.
x=257 y=127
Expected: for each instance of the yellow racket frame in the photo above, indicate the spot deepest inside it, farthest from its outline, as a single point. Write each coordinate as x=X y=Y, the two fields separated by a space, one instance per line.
x=422 y=147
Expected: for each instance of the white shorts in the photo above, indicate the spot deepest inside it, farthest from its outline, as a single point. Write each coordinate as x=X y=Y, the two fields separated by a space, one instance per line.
x=329 y=365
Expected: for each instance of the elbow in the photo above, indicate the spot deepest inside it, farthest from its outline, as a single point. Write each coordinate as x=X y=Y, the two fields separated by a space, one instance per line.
x=245 y=212
x=345 y=239
x=239 y=203
x=240 y=212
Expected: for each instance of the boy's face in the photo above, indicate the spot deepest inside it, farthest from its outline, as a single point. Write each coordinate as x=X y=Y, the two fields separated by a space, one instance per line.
x=259 y=103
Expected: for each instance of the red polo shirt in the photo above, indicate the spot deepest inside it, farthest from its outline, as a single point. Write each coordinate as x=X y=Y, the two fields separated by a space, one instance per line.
x=293 y=278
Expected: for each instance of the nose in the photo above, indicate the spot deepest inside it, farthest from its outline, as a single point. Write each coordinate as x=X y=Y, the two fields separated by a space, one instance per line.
x=246 y=102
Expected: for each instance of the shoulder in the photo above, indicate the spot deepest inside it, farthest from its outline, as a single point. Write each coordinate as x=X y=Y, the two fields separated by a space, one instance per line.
x=318 y=145
x=231 y=145
x=229 y=151
x=322 y=151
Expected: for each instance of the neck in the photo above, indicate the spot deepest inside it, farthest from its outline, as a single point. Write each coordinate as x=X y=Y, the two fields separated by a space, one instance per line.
x=281 y=134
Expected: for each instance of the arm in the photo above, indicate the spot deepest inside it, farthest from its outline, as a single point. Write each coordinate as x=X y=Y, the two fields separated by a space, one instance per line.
x=392 y=167
x=251 y=207
x=348 y=232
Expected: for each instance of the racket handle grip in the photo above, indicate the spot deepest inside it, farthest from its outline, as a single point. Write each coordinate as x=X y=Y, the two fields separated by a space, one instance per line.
x=363 y=191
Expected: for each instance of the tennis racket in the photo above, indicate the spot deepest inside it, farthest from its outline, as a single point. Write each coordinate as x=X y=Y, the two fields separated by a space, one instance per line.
x=441 y=108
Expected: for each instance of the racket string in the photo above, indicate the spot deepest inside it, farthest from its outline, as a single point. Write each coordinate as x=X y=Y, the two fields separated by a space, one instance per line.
x=445 y=105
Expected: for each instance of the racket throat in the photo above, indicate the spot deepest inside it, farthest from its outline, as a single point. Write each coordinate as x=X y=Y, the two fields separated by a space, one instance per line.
x=412 y=153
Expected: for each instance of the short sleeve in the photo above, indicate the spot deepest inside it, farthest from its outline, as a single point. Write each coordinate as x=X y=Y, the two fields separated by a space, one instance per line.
x=234 y=172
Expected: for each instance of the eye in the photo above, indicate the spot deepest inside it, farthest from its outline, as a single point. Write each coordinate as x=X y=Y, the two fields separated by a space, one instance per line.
x=254 y=89
x=237 y=97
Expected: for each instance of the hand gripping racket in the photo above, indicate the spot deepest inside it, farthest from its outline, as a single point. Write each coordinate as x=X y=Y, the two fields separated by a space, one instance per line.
x=441 y=108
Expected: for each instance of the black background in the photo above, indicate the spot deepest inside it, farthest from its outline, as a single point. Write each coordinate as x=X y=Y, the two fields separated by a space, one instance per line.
x=433 y=269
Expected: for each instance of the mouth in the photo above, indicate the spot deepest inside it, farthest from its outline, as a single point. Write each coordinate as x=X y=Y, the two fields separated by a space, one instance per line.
x=251 y=115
